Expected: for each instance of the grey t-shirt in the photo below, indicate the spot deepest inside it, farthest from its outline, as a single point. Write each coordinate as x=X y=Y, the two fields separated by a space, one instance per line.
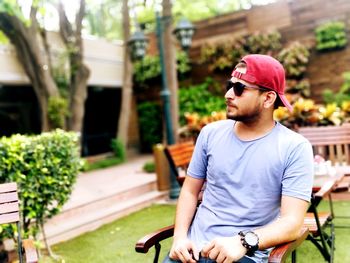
x=246 y=179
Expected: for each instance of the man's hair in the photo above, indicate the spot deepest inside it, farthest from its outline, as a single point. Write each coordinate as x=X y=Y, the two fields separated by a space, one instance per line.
x=277 y=102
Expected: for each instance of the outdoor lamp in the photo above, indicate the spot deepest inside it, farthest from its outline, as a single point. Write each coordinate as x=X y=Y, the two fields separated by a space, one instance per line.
x=184 y=31
x=137 y=44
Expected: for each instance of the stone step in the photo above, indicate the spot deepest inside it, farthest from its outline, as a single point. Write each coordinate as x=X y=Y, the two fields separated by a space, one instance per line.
x=71 y=211
x=65 y=229
x=102 y=196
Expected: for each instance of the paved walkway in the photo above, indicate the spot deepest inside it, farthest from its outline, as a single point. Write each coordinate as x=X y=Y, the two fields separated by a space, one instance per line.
x=104 y=195
x=98 y=184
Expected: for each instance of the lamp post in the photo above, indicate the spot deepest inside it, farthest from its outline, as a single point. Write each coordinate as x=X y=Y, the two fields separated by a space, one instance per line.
x=137 y=44
x=184 y=32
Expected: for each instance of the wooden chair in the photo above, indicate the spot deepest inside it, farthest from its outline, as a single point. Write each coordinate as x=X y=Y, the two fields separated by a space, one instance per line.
x=320 y=224
x=179 y=156
x=9 y=213
x=279 y=254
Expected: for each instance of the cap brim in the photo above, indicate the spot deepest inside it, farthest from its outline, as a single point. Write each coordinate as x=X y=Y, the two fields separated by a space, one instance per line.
x=286 y=102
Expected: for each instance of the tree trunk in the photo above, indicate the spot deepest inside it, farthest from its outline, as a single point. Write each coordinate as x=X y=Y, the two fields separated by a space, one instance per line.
x=78 y=98
x=170 y=67
x=79 y=72
x=29 y=53
x=125 y=111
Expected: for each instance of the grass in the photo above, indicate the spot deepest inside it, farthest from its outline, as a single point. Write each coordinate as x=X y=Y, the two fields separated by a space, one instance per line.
x=115 y=242
x=104 y=163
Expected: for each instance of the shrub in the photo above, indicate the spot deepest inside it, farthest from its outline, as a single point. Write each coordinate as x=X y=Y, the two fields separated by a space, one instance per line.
x=294 y=58
x=104 y=163
x=150 y=125
x=227 y=53
x=149 y=167
x=202 y=99
x=149 y=67
x=118 y=149
x=58 y=111
x=45 y=168
x=329 y=96
x=264 y=42
x=223 y=55
x=330 y=35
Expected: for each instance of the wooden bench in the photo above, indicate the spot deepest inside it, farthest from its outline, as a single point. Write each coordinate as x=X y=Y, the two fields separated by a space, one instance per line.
x=333 y=143
x=9 y=213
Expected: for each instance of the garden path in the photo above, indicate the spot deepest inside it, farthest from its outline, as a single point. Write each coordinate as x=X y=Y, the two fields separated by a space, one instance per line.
x=104 y=195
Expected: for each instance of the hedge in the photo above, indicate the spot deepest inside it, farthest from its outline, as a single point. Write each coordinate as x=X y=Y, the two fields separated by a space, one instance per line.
x=45 y=168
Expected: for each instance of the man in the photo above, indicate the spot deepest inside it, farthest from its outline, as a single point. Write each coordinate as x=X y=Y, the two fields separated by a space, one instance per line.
x=258 y=175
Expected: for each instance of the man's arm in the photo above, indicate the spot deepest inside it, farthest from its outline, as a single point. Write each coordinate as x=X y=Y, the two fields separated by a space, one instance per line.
x=286 y=228
x=183 y=249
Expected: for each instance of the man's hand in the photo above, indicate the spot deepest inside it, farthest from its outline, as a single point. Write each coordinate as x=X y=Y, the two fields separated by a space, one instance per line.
x=184 y=250
x=224 y=249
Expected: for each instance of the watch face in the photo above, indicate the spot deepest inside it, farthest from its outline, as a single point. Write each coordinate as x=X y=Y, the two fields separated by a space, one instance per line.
x=251 y=239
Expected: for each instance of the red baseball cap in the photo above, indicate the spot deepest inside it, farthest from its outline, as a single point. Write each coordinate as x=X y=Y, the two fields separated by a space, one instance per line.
x=267 y=72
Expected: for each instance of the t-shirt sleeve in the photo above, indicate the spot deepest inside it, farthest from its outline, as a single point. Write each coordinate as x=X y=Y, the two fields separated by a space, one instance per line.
x=199 y=161
x=298 y=175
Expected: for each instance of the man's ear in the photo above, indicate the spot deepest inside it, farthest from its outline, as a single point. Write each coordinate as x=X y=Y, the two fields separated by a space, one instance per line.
x=270 y=98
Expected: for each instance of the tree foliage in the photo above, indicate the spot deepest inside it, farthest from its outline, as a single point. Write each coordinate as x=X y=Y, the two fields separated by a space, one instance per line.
x=103 y=19
x=29 y=38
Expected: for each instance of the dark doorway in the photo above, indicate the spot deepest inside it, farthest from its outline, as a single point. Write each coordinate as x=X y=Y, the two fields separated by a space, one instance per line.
x=102 y=109
x=19 y=111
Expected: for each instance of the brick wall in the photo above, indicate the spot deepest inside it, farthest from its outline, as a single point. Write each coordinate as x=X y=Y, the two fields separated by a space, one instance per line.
x=295 y=20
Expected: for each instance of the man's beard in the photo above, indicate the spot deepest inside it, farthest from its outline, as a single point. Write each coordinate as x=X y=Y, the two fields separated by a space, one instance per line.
x=247 y=117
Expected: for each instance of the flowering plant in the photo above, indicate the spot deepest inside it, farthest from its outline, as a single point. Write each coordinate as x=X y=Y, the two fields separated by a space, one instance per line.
x=194 y=123
x=307 y=113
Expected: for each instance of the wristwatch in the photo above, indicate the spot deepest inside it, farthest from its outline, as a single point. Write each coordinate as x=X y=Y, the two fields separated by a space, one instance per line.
x=250 y=241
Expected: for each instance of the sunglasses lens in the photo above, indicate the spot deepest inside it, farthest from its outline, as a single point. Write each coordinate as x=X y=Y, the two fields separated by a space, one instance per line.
x=229 y=85
x=238 y=87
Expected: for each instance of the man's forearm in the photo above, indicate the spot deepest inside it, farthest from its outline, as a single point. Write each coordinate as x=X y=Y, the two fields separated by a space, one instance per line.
x=185 y=211
x=280 y=231
x=186 y=206
x=287 y=227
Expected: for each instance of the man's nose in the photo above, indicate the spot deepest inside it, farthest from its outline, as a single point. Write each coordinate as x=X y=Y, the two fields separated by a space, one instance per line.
x=230 y=94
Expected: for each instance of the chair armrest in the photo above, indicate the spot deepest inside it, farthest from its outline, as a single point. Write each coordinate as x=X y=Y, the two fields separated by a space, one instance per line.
x=281 y=252
x=326 y=189
x=145 y=243
x=180 y=180
x=30 y=251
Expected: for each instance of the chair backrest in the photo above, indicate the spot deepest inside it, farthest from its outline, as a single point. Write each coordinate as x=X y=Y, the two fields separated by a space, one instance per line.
x=179 y=156
x=9 y=208
x=331 y=142
x=9 y=211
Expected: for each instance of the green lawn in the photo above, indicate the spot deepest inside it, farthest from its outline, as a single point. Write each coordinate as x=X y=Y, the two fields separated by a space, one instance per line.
x=115 y=242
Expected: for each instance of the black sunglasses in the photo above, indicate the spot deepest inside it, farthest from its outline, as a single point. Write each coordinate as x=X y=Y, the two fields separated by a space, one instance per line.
x=238 y=87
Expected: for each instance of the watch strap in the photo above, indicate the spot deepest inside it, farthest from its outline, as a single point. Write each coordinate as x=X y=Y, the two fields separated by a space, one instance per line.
x=250 y=248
